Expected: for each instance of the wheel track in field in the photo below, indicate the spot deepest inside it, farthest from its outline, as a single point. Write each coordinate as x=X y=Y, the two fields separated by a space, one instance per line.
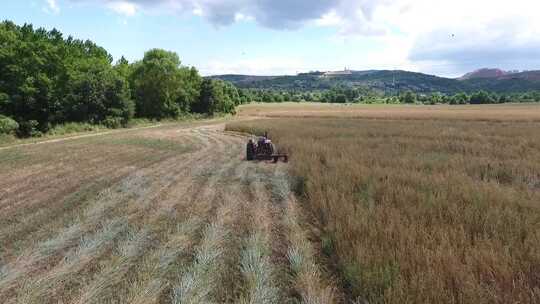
x=201 y=227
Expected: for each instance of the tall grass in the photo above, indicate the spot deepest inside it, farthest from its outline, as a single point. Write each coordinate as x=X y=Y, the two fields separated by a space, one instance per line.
x=421 y=211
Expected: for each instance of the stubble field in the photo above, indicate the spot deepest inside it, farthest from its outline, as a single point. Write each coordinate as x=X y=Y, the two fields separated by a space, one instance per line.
x=164 y=215
x=418 y=204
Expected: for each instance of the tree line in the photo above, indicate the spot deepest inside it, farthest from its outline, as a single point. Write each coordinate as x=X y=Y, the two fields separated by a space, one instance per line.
x=347 y=94
x=479 y=97
x=47 y=80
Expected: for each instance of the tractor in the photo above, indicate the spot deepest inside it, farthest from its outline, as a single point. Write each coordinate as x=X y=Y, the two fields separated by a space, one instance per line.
x=264 y=149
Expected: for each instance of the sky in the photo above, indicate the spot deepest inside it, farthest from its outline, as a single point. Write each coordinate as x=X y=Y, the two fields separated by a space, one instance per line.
x=275 y=37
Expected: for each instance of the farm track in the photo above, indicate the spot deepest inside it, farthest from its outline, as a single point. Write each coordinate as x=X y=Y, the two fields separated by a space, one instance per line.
x=111 y=224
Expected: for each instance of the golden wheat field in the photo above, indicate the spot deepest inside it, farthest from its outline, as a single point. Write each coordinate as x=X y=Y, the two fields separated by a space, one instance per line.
x=497 y=112
x=420 y=205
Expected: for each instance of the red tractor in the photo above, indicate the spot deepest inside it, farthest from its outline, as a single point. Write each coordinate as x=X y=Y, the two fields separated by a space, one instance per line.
x=264 y=149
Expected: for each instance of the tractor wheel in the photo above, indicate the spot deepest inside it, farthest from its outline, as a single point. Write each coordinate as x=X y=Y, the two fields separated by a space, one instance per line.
x=250 y=152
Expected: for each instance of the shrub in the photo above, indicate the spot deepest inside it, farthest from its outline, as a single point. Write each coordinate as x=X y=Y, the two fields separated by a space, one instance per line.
x=8 y=125
x=29 y=128
x=73 y=127
x=114 y=122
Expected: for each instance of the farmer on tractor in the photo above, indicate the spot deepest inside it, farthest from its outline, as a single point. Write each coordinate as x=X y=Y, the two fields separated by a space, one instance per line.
x=263 y=150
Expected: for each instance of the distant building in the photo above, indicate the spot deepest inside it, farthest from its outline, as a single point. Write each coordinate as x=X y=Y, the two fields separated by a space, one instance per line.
x=337 y=73
x=312 y=73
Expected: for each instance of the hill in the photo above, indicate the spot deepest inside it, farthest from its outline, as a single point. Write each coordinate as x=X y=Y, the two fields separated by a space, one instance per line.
x=391 y=81
x=485 y=73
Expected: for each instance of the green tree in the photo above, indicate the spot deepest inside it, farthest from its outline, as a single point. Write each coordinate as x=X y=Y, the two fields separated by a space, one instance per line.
x=45 y=79
x=156 y=84
x=215 y=97
x=340 y=98
x=460 y=98
x=435 y=98
x=481 y=97
x=162 y=87
x=408 y=97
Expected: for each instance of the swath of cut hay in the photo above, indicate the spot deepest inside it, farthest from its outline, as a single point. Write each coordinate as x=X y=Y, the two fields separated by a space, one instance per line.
x=50 y=287
x=109 y=203
x=258 y=272
x=102 y=289
x=163 y=262
x=200 y=283
x=257 y=268
x=141 y=205
x=33 y=220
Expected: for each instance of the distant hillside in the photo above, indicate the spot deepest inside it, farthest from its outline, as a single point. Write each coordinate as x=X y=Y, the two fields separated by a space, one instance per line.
x=503 y=82
x=485 y=73
x=238 y=79
x=388 y=81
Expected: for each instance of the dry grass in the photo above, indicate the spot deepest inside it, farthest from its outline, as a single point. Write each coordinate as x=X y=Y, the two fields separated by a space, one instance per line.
x=258 y=272
x=502 y=112
x=426 y=210
x=119 y=218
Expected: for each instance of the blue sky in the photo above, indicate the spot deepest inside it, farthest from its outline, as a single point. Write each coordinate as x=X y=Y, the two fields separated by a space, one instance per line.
x=289 y=36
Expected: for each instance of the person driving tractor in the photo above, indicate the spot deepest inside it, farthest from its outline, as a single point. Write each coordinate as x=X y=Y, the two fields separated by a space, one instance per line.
x=263 y=150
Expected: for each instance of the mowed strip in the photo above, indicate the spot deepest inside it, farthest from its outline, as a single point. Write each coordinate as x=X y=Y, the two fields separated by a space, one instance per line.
x=197 y=225
x=31 y=221
x=130 y=199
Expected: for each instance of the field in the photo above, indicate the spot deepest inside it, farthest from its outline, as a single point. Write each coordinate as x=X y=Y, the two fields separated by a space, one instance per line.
x=161 y=215
x=418 y=204
x=379 y=204
x=501 y=112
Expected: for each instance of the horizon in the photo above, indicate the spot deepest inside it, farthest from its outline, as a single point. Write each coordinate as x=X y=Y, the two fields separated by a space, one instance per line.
x=375 y=69
x=275 y=38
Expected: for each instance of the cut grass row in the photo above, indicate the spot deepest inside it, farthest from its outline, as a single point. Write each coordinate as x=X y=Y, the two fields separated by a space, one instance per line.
x=168 y=226
x=127 y=192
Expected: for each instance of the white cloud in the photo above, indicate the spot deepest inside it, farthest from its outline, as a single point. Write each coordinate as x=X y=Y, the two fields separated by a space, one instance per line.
x=449 y=37
x=455 y=37
x=239 y=17
x=329 y=19
x=255 y=66
x=52 y=7
x=125 y=8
